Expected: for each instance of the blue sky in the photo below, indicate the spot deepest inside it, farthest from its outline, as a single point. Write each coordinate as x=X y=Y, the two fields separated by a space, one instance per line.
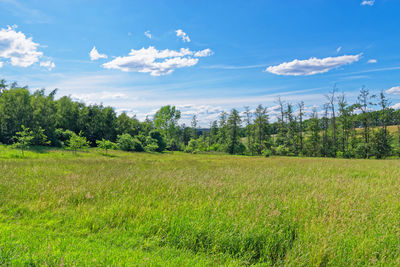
x=202 y=56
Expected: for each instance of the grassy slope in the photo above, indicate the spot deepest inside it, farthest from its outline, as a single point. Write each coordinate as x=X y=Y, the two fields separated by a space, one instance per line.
x=181 y=209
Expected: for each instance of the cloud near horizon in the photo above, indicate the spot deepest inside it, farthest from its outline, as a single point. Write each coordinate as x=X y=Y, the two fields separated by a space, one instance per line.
x=394 y=90
x=95 y=55
x=20 y=50
x=156 y=62
x=312 y=66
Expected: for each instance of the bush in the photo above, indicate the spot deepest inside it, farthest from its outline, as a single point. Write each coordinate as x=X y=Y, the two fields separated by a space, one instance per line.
x=266 y=153
x=77 y=142
x=281 y=150
x=62 y=137
x=192 y=146
x=362 y=150
x=126 y=142
x=151 y=145
x=105 y=144
x=160 y=140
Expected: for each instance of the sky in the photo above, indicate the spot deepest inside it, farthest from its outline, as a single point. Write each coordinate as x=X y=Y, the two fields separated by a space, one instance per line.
x=202 y=56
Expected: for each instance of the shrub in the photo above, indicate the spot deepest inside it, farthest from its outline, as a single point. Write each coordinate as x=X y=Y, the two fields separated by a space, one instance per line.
x=105 y=144
x=77 y=142
x=281 y=150
x=156 y=135
x=23 y=139
x=126 y=142
x=266 y=153
x=62 y=137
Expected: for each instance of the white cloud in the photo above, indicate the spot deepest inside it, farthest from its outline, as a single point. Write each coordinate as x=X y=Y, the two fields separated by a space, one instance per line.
x=182 y=35
x=148 y=34
x=338 y=49
x=156 y=62
x=372 y=61
x=396 y=106
x=204 y=53
x=1 y=64
x=368 y=2
x=20 y=50
x=312 y=66
x=95 y=55
x=48 y=64
x=394 y=90
x=98 y=97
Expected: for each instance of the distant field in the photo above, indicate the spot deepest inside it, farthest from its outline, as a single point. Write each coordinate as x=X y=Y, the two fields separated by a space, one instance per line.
x=196 y=210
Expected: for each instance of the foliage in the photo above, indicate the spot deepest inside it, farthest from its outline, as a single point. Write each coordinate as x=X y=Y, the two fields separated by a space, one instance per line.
x=77 y=142
x=105 y=145
x=23 y=139
x=126 y=142
x=339 y=129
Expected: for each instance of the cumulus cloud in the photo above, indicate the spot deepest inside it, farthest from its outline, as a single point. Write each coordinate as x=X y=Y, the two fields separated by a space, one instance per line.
x=156 y=62
x=372 y=61
x=48 y=64
x=394 y=90
x=148 y=34
x=95 y=55
x=20 y=50
x=182 y=35
x=312 y=66
x=368 y=2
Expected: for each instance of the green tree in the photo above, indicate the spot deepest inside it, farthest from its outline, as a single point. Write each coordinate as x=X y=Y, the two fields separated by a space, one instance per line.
x=23 y=139
x=77 y=142
x=105 y=145
x=126 y=142
x=261 y=130
x=313 y=143
x=364 y=103
x=40 y=138
x=233 y=126
x=166 y=121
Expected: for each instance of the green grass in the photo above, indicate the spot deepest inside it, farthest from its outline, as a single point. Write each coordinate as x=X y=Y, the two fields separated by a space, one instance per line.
x=196 y=210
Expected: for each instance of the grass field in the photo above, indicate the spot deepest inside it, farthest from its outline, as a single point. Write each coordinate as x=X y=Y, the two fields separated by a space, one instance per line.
x=178 y=209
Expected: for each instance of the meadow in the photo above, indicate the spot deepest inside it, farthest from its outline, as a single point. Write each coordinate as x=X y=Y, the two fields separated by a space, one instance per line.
x=176 y=209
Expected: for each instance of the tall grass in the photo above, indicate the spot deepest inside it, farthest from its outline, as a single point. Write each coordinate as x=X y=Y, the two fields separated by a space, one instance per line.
x=182 y=209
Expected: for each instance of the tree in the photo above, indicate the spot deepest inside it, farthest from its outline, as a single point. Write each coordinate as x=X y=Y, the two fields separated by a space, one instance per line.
x=290 y=141
x=331 y=103
x=281 y=130
x=261 y=129
x=325 y=128
x=105 y=145
x=249 y=129
x=166 y=120
x=126 y=142
x=301 y=126
x=382 y=138
x=314 y=139
x=40 y=138
x=194 y=126
x=158 y=140
x=23 y=139
x=233 y=126
x=77 y=142
x=364 y=103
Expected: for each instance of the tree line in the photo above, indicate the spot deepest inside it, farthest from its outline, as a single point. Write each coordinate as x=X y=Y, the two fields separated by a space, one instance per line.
x=339 y=129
